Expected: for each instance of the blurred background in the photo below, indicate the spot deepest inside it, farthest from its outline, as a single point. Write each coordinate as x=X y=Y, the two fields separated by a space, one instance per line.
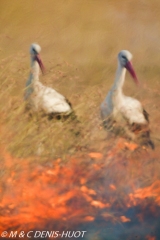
x=80 y=41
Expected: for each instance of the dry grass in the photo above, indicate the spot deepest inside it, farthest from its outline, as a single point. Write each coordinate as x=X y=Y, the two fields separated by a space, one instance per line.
x=80 y=41
x=36 y=135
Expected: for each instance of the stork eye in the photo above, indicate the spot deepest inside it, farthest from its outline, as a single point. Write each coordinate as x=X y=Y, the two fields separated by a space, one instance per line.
x=124 y=57
x=34 y=50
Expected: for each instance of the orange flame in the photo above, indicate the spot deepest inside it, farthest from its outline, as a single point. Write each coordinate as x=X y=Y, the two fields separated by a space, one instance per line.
x=32 y=194
x=95 y=155
x=150 y=238
x=125 y=219
x=151 y=191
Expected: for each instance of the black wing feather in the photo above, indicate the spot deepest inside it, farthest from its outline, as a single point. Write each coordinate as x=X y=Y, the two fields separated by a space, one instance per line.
x=146 y=115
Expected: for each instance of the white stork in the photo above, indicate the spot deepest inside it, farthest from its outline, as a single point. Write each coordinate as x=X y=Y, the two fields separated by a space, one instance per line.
x=39 y=96
x=117 y=106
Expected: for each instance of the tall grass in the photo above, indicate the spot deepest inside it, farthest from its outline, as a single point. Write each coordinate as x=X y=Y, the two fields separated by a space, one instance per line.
x=80 y=41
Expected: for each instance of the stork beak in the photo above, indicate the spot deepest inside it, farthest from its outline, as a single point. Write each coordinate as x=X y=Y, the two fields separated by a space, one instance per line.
x=130 y=68
x=38 y=59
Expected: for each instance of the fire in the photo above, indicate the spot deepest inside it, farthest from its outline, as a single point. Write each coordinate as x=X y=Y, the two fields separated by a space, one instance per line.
x=150 y=238
x=113 y=187
x=152 y=191
x=125 y=219
x=32 y=195
x=95 y=155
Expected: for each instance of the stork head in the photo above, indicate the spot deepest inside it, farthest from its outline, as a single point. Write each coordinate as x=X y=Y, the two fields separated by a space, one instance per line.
x=34 y=51
x=124 y=58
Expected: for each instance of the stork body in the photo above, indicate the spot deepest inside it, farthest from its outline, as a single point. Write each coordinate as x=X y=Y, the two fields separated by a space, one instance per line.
x=117 y=107
x=39 y=96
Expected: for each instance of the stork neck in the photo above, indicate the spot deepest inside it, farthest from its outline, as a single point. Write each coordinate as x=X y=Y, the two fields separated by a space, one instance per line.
x=119 y=79
x=33 y=78
x=35 y=69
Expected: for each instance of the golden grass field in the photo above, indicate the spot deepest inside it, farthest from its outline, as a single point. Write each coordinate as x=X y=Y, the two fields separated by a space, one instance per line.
x=80 y=40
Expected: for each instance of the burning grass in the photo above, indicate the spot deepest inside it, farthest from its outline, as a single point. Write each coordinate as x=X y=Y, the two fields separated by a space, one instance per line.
x=65 y=174
x=86 y=188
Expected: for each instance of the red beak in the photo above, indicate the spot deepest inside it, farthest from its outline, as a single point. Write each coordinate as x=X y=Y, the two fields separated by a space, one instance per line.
x=38 y=59
x=129 y=67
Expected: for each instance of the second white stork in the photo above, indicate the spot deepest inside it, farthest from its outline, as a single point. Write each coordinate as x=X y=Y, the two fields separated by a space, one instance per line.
x=39 y=96
x=117 y=106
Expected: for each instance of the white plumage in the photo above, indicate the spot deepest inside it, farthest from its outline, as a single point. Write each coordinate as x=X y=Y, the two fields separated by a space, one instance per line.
x=116 y=102
x=39 y=96
x=116 y=105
